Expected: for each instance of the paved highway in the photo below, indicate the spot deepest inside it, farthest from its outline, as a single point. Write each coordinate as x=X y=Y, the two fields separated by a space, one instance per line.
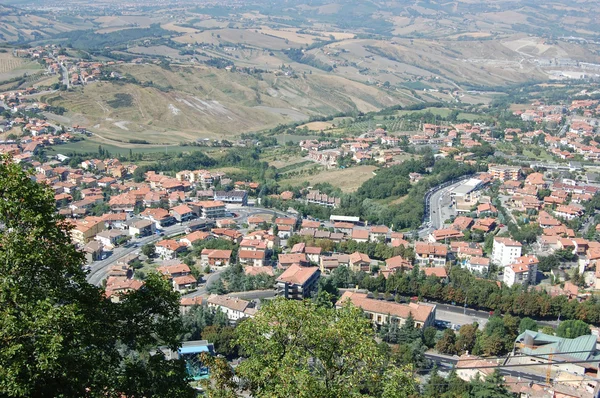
x=99 y=269
x=458 y=313
x=244 y=212
x=436 y=208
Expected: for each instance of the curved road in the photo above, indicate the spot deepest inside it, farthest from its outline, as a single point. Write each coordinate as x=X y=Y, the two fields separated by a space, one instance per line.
x=99 y=269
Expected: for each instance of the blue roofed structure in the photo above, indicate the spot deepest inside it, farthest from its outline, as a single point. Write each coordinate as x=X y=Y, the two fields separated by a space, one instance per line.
x=190 y=352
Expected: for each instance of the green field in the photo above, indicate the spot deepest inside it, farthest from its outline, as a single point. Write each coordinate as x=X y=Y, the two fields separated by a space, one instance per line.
x=89 y=145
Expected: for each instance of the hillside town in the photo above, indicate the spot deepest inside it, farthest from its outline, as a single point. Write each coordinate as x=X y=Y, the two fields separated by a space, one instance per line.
x=520 y=228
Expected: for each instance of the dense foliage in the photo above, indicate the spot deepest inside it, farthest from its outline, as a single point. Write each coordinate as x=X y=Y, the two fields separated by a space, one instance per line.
x=60 y=335
x=301 y=349
x=482 y=294
x=90 y=40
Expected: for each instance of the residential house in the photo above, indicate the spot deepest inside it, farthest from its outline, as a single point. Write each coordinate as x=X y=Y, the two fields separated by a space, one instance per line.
x=187 y=303
x=116 y=287
x=235 y=308
x=569 y=212
x=174 y=271
x=383 y=312
x=227 y=234
x=360 y=235
x=378 y=233
x=360 y=262
x=522 y=273
x=479 y=265
x=430 y=254
x=169 y=249
x=215 y=258
x=297 y=283
x=93 y=251
x=313 y=254
x=184 y=283
x=505 y=173
x=110 y=237
x=462 y=223
x=160 y=217
x=284 y=231
x=183 y=213
x=486 y=209
x=209 y=209
x=445 y=235
x=328 y=263
x=85 y=230
x=484 y=225
x=252 y=258
x=286 y=260
x=394 y=265
x=197 y=236
x=141 y=228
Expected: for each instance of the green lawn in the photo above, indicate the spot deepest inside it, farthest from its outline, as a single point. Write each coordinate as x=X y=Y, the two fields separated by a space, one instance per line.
x=90 y=145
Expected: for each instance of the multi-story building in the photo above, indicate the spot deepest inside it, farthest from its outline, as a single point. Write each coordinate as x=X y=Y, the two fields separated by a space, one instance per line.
x=168 y=249
x=85 y=230
x=236 y=197
x=522 y=274
x=160 y=217
x=141 y=227
x=383 y=312
x=209 y=209
x=430 y=254
x=235 y=308
x=252 y=258
x=297 y=283
x=505 y=251
x=215 y=258
x=183 y=213
x=505 y=173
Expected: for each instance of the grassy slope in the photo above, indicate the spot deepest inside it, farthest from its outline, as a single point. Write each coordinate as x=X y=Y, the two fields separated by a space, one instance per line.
x=206 y=102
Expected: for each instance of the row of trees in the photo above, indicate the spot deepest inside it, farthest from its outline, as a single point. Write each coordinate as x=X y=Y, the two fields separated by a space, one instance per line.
x=464 y=287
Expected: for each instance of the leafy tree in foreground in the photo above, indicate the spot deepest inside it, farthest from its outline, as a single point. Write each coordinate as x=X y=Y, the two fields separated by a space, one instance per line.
x=59 y=335
x=301 y=349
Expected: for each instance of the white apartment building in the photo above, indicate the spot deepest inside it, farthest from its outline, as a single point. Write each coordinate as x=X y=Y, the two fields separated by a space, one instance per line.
x=522 y=274
x=505 y=251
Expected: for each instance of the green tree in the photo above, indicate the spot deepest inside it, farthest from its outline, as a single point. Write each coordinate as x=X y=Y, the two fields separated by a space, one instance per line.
x=223 y=339
x=149 y=250
x=220 y=384
x=447 y=344
x=528 y=324
x=436 y=385
x=572 y=328
x=429 y=334
x=398 y=383
x=60 y=335
x=467 y=337
x=491 y=386
x=299 y=349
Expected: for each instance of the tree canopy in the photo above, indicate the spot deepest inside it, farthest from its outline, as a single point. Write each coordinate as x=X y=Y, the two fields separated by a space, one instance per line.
x=61 y=336
x=302 y=349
